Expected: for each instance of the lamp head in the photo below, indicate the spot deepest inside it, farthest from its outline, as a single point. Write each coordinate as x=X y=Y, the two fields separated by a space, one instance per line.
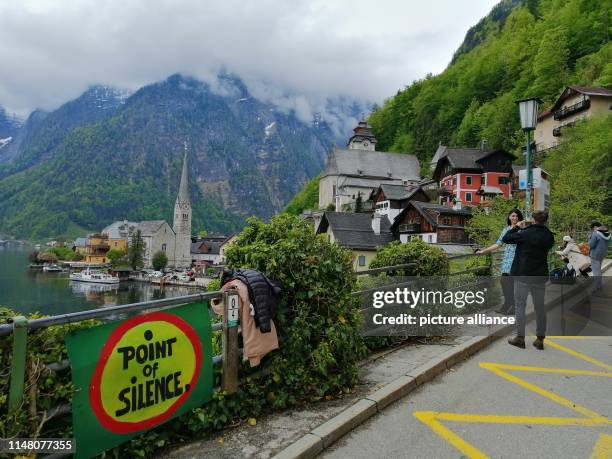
x=528 y=110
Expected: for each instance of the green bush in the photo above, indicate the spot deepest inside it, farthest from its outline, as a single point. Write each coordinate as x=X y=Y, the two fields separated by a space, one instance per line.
x=318 y=319
x=430 y=261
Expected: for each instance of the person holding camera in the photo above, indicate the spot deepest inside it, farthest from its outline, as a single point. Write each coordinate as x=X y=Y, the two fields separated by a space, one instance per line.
x=513 y=217
x=530 y=268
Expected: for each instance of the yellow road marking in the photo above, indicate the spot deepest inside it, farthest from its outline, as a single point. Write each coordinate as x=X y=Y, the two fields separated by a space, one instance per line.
x=602 y=448
x=579 y=355
x=429 y=419
x=564 y=371
x=493 y=367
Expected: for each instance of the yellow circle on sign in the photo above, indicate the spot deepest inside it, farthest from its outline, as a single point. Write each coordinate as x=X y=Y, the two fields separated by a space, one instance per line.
x=148 y=370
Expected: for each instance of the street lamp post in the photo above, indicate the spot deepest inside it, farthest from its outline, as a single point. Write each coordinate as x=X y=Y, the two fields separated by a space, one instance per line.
x=528 y=111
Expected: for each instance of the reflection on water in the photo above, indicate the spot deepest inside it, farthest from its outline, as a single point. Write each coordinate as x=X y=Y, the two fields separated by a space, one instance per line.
x=26 y=290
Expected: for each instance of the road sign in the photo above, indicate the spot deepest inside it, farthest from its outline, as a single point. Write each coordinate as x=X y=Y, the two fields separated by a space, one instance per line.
x=136 y=374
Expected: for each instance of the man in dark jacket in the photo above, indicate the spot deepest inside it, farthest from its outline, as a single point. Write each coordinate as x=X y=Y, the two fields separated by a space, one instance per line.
x=531 y=265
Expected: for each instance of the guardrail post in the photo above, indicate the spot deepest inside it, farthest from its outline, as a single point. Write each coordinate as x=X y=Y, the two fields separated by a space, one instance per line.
x=231 y=305
x=18 y=361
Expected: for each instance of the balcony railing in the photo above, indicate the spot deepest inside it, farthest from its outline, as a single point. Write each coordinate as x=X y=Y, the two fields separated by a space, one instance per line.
x=409 y=228
x=567 y=111
x=445 y=191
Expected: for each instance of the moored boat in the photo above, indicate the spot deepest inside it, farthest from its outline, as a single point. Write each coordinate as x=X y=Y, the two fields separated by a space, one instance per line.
x=52 y=268
x=97 y=277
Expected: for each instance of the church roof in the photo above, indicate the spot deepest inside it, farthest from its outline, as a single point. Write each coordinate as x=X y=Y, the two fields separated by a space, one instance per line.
x=150 y=227
x=373 y=164
x=120 y=229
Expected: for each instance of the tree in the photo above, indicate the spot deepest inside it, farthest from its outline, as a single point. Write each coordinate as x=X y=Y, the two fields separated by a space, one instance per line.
x=136 y=251
x=116 y=257
x=33 y=257
x=430 y=260
x=581 y=176
x=550 y=64
x=160 y=260
x=47 y=256
x=487 y=222
x=203 y=233
x=359 y=203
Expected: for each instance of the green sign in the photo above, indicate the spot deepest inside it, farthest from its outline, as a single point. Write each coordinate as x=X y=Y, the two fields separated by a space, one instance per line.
x=137 y=374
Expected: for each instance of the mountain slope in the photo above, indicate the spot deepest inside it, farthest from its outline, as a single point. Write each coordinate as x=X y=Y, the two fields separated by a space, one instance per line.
x=246 y=158
x=565 y=42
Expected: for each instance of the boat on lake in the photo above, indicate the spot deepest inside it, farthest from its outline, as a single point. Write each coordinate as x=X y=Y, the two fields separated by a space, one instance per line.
x=97 y=277
x=52 y=268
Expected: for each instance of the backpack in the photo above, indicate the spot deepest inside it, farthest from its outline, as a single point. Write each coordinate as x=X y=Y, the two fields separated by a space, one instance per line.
x=584 y=248
x=563 y=276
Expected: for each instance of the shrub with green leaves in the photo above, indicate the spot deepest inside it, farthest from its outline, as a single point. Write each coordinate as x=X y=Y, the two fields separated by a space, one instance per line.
x=318 y=320
x=430 y=260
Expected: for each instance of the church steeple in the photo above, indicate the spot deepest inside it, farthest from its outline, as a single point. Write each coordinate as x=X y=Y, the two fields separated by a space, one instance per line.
x=183 y=194
x=362 y=138
x=182 y=219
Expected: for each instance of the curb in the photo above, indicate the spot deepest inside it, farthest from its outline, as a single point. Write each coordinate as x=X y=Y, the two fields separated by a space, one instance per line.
x=323 y=436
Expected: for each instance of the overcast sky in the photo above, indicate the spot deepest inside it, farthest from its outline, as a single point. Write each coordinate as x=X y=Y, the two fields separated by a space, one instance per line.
x=52 y=50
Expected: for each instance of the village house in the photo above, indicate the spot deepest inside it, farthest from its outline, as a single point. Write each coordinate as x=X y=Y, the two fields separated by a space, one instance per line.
x=361 y=233
x=118 y=234
x=96 y=248
x=206 y=250
x=224 y=246
x=470 y=176
x=574 y=103
x=433 y=223
x=80 y=245
x=359 y=169
x=389 y=200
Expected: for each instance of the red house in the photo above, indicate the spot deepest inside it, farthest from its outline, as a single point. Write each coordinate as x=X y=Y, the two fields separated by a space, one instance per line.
x=472 y=176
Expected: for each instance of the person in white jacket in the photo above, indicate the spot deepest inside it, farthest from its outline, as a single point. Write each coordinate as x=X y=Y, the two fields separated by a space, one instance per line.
x=571 y=252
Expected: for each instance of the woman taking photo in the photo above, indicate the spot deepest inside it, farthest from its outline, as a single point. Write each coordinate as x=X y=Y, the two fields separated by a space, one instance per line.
x=514 y=216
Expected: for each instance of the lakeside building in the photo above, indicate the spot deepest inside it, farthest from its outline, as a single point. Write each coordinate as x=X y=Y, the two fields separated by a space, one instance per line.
x=206 y=250
x=575 y=103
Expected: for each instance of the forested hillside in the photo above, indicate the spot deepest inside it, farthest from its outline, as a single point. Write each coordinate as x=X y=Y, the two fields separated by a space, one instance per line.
x=535 y=49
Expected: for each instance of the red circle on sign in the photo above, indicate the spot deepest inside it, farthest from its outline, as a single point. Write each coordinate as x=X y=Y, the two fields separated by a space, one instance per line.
x=95 y=396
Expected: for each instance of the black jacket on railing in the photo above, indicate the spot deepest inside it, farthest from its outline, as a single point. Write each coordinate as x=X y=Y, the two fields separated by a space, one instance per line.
x=532 y=246
x=263 y=293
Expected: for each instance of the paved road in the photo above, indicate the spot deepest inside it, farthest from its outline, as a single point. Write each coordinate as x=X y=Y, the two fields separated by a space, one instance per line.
x=503 y=402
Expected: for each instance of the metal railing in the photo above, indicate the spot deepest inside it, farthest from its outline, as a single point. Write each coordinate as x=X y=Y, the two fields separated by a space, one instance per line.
x=19 y=327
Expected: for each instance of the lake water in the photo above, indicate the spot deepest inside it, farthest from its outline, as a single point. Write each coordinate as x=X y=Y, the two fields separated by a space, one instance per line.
x=27 y=291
